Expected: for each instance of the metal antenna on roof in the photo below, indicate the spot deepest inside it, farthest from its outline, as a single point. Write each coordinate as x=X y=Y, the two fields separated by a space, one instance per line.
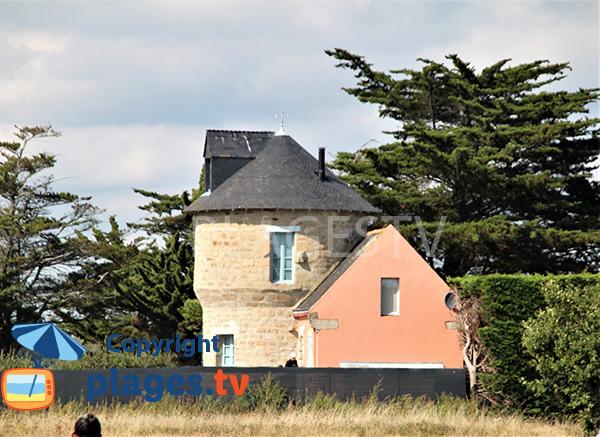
x=281 y=131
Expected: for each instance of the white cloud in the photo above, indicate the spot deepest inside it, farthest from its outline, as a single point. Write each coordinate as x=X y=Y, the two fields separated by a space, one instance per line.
x=107 y=162
x=46 y=42
x=132 y=156
x=528 y=31
x=133 y=86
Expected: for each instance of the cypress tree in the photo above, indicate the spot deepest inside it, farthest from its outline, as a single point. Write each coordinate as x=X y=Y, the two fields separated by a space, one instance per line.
x=38 y=232
x=507 y=161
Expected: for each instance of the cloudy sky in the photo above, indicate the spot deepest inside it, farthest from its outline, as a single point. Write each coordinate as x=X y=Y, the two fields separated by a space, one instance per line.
x=134 y=85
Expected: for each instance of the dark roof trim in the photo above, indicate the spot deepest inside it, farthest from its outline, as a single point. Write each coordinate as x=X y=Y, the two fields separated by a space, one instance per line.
x=334 y=274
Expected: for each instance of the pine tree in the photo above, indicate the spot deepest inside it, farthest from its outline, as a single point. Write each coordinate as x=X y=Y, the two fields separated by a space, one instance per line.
x=88 y=302
x=162 y=282
x=140 y=288
x=166 y=216
x=39 y=245
x=171 y=268
x=505 y=160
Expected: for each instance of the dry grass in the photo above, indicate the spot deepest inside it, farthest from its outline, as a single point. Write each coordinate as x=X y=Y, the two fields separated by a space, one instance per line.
x=403 y=417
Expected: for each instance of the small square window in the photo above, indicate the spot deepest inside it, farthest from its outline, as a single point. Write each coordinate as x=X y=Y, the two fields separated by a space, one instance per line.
x=390 y=296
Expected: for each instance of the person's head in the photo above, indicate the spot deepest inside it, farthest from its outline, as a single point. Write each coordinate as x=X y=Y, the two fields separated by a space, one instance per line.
x=87 y=425
x=293 y=356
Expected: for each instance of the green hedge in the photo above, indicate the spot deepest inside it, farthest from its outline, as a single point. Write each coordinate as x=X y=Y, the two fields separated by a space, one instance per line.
x=564 y=340
x=507 y=302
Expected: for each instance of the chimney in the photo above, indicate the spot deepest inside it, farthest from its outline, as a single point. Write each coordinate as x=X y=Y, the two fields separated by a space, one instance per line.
x=321 y=172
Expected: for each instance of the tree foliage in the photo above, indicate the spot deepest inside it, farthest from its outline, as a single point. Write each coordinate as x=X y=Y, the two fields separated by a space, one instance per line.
x=88 y=303
x=39 y=243
x=165 y=213
x=137 y=288
x=564 y=343
x=54 y=264
x=166 y=216
x=170 y=270
x=509 y=306
x=157 y=288
x=507 y=161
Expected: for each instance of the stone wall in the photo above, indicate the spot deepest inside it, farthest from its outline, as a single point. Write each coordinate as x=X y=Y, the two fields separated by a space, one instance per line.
x=232 y=276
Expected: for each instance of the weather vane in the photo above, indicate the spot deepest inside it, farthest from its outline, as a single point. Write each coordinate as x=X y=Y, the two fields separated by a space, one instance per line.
x=281 y=130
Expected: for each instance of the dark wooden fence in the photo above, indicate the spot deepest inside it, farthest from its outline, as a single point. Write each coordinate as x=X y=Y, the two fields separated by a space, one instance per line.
x=73 y=384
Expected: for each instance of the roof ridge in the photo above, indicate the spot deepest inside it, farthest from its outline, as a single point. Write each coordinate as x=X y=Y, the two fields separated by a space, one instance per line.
x=242 y=131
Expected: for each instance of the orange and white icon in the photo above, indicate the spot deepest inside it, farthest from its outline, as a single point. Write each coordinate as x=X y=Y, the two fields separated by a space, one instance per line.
x=28 y=389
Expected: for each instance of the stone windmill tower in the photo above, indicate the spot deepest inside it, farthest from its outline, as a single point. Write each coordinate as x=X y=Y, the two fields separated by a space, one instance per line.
x=271 y=224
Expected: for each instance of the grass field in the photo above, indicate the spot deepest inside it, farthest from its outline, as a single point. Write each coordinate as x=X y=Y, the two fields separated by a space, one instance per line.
x=323 y=416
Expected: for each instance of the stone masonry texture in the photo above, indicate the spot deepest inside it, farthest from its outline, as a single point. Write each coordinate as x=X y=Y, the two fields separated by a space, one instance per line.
x=232 y=276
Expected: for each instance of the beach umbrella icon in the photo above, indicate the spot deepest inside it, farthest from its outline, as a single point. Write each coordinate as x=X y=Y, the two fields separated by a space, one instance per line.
x=48 y=340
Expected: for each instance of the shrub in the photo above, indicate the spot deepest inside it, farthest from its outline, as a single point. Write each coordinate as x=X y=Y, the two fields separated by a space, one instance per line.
x=12 y=360
x=322 y=401
x=99 y=357
x=264 y=396
x=506 y=302
x=564 y=343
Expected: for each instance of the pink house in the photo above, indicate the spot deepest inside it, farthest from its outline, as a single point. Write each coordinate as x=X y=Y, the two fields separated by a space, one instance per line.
x=381 y=306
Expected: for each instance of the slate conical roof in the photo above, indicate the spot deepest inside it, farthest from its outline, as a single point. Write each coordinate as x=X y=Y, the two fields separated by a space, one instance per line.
x=282 y=176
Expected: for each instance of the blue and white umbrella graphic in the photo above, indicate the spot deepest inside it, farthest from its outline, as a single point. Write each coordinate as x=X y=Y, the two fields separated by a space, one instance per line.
x=48 y=340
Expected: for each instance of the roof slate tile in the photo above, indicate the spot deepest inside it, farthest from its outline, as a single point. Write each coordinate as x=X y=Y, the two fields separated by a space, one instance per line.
x=282 y=176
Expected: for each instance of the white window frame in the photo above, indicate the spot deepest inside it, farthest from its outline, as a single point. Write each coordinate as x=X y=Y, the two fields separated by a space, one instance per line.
x=227 y=351
x=278 y=230
x=396 y=298
x=283 y=228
